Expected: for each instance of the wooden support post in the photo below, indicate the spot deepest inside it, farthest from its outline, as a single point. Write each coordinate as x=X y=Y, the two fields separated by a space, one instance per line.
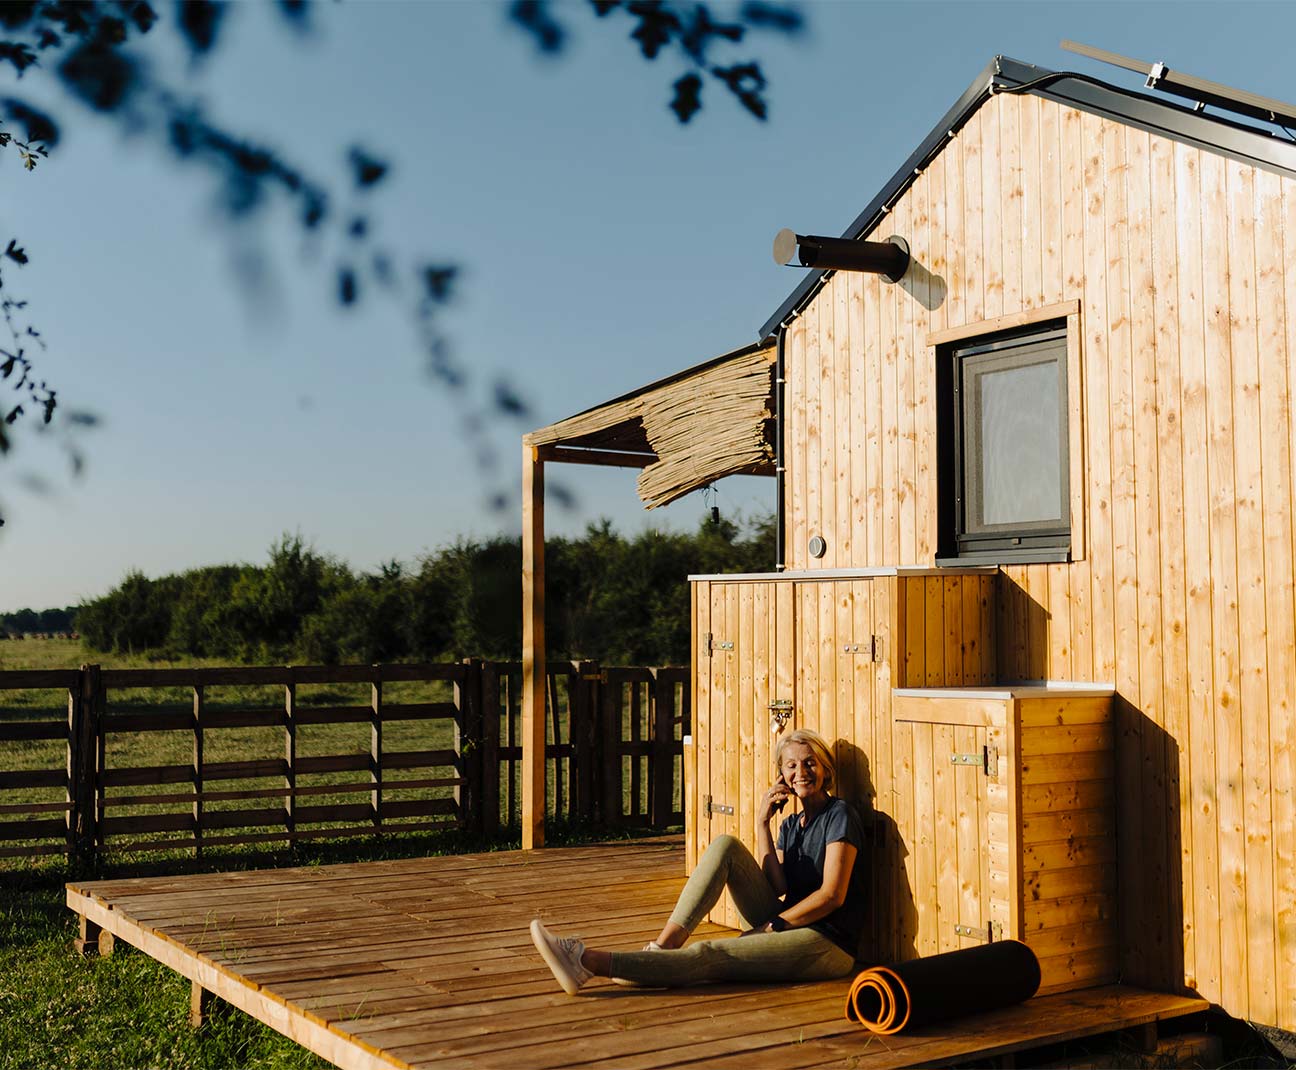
x=533 y=649
x=84 y=762
x=91 y=939
x=200 y=1003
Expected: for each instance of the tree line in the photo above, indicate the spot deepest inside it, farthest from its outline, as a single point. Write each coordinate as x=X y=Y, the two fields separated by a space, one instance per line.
x=37 y=622
x=609 y=598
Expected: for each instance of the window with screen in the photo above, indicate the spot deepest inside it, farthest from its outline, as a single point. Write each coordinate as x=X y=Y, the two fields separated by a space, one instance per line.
x=1006 y=494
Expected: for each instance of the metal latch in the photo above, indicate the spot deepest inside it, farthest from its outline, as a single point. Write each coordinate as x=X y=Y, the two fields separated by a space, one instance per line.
x=987 y=758
x=780 y=713
x=713 y=807
x=710 y=643
x=988 y=933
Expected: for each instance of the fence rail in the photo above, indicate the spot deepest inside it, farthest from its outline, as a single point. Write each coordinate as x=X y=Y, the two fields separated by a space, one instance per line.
x=86 y=784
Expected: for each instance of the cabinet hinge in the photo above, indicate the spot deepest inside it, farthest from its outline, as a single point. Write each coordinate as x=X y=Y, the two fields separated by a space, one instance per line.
x=713 y=807
x=987 y=758
x=987 y=933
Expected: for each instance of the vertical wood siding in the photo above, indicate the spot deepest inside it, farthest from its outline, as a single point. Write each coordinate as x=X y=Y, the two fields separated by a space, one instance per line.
x=1184 y=267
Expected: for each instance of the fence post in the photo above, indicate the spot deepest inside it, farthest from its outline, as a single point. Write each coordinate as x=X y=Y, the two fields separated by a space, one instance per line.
x=83 y=764
x=468 y=699
x=581 y=709
x=663 y=758
x=375 y=749
x=609 y=705
x=490 y=759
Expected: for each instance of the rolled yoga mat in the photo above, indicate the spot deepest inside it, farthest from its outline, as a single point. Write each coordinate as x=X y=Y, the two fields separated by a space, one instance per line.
x=887 y=999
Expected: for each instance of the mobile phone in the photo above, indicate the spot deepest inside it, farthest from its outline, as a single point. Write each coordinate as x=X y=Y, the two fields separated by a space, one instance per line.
x=778 y=806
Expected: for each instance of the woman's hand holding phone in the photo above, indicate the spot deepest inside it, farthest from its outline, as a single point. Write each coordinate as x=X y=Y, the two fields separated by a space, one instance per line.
x=775 y=799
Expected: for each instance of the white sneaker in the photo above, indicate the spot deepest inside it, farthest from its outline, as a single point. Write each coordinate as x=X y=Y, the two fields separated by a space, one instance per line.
x=562 y=954
x=651 y=945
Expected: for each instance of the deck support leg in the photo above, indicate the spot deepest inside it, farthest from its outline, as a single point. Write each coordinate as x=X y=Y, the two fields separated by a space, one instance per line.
x=92 y=939
x=1144 y=1037
x=200 y=1003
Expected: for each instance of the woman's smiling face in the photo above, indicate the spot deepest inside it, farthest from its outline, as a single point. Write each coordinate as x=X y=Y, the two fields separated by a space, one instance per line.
x=802 y=771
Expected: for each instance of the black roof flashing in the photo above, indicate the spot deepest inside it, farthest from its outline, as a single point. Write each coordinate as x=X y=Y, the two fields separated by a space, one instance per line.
x=1239 y=141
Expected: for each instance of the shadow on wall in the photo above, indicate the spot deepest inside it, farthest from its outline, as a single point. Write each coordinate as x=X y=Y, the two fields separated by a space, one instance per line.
x=892 y=914
x=1150 y=856
x=927 y=289
x=1148 y=869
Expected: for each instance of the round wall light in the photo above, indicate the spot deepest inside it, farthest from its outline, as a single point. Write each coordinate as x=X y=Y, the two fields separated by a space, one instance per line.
x=817 y=546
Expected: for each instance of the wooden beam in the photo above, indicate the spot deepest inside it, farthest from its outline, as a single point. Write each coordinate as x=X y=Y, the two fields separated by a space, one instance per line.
x=533 y=649
x=609 y=458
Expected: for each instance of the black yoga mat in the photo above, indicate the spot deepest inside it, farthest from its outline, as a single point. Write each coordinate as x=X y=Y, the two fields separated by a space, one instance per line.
x=888 y=999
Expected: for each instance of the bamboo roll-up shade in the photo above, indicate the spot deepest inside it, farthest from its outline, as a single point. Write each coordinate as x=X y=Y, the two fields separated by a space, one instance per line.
x=703 y=424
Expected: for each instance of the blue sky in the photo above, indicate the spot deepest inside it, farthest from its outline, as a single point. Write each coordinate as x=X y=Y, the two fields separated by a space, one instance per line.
x=603 y=246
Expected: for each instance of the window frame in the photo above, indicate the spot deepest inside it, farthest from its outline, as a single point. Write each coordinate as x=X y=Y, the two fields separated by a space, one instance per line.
x=1041 y=542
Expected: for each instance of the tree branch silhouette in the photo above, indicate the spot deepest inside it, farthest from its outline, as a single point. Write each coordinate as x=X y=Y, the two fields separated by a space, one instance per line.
x=98 y=55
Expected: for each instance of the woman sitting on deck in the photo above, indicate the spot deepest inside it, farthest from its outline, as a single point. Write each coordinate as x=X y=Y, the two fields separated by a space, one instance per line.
x=802 y=899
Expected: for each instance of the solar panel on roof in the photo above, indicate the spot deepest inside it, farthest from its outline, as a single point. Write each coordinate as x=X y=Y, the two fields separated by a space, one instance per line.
x=1200 y=90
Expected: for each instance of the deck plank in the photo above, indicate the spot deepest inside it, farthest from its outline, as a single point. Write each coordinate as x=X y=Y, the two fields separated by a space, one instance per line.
x=427 y=963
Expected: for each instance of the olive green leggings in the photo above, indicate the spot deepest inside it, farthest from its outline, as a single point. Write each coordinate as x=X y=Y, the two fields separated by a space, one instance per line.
x=792 y=955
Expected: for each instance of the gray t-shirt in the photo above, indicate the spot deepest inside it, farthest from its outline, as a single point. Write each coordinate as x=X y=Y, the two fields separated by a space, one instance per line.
x=804 y=850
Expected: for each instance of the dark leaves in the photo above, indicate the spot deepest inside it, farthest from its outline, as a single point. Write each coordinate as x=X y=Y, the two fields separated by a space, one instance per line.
x=603 y=7
x=657 y=25
x=507 y=401
x=702 y=29
x=99 y=74
x=17 y=54
x=39 y=126
x=358 y=228
x=69 y=14
x=438 y=281
x=140 y=13
x=48 y=39
x=314 y=210
x=200 y=22
x=296 y=13
x=687 y=101
x=533 y=16
x=745 y=81
x=773 y=17
x=367 y=170
x=347 y=286
x=13 y=415
x=17 y=255
x=15 y=14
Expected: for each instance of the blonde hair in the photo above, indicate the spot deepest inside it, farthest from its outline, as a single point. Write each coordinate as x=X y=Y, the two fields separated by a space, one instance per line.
x=818 y=747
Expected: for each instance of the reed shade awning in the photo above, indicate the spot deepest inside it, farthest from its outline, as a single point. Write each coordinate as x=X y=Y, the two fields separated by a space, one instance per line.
x=710 y=421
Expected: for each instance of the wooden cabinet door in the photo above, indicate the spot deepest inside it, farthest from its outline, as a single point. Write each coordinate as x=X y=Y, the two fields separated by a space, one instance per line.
x=744 y=667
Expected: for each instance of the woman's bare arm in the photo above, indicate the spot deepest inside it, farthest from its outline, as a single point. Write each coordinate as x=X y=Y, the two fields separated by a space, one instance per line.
x=839 y=860
x=766 y=856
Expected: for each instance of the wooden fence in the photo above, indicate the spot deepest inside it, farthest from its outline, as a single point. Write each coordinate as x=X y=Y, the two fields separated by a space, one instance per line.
x=76 y=785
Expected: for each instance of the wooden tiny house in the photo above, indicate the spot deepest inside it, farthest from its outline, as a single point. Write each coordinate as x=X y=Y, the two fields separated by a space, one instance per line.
x=1057 y=452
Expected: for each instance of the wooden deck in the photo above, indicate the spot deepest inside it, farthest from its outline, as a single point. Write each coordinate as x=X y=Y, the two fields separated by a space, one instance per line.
x=427 y=963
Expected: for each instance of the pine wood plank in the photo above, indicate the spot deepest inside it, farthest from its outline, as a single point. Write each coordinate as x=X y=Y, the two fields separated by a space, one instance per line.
x=1221 y=457
x=1249 y=519
x=814 y=443
x=795 y=455
x=824 y=519
x=1011 y=197
x=1203 y=908
x=861 y=423
x=1280 y=719
x=843 y=541
x=902 y=218
x=993 y=214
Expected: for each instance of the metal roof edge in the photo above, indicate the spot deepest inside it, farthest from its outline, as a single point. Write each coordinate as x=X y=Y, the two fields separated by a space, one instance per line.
x=1216 y=133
